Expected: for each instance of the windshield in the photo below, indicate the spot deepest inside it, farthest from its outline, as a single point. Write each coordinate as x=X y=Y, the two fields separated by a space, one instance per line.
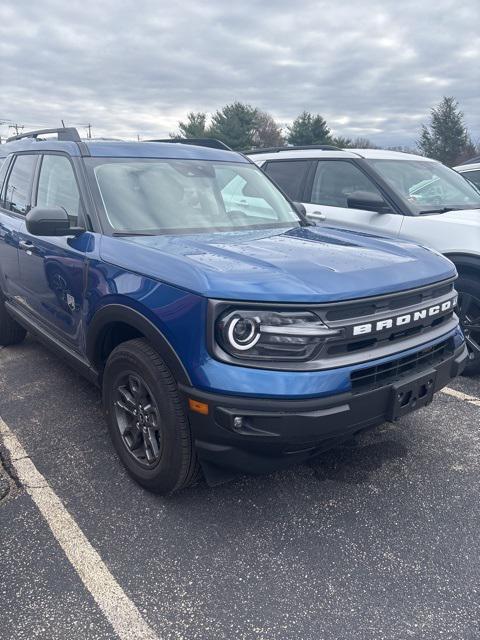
x=428 y=186
x=175 y=196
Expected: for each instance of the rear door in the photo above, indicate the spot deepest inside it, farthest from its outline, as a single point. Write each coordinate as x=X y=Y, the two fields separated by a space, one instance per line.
x=16 y=177
x=52 y=268
x=327 y=199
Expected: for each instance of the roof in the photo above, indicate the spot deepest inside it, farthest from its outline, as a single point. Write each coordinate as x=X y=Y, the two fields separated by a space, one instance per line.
x=385 y=154
x=302 y=153
x=471 y=166
x=474 y=160
x=102 y=149
x=120 y=149
x=379 y=154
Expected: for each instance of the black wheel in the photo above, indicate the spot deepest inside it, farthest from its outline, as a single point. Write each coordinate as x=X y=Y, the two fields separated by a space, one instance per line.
x=146 y=419
x=10 y=331
x=468 y=310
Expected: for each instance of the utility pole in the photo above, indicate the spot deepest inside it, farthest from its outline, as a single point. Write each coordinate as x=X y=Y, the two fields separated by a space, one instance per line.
x=89 y=134
x=18 y=128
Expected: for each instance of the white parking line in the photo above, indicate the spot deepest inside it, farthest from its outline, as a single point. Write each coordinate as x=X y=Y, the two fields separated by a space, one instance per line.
x=461 y=396
x=120 y=611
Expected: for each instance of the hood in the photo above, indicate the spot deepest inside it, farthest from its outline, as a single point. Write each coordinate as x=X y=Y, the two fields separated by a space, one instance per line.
x=304 y=264
x=468 y=216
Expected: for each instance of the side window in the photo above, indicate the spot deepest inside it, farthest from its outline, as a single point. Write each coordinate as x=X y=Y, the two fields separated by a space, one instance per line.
x=16 y=196
x=57 y=186
x=335 y=180
x=473 y=176
x=289 y=175
x=3 y=172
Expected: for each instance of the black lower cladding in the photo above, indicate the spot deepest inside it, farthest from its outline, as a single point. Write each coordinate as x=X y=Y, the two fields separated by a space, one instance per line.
x=257 y=435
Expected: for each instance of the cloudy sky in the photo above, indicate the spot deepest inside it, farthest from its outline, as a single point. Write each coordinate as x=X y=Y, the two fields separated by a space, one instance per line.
x=371 y=67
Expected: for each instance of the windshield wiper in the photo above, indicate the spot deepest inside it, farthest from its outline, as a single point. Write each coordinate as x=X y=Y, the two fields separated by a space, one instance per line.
x=451 y=208
x=440 y=210
x=132 y=233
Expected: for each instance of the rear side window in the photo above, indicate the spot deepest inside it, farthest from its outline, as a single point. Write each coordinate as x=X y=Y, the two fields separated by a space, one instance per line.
x=57 y=186
x=473 y=176
x=16 y=196
x=289 y=175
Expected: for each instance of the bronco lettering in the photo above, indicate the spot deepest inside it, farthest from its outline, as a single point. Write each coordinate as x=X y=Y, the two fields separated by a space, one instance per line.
x=405 y=319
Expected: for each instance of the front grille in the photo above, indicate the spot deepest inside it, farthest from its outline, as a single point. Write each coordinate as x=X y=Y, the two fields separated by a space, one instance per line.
x=382 y=374
x=373 y=314
x=351 y=345
x=357 y=309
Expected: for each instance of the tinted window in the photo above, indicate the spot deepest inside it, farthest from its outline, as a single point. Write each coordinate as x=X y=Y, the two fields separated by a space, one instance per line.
x=17 y=192
x=473 y=176
x=335 y=180
x=57 y=186
x=289 y=175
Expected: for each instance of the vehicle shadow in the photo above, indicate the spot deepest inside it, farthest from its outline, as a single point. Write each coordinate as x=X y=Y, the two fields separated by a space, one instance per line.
x=354 y=462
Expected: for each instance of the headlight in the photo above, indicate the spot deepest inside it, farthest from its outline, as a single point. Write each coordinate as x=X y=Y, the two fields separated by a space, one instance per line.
x=271 y=335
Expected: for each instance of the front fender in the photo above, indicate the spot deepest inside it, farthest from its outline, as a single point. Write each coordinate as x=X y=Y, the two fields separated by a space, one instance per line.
x=112 y=313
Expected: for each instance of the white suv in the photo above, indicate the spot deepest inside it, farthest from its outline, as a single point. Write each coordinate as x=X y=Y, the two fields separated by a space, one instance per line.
x=395 y=194
x=471 y=170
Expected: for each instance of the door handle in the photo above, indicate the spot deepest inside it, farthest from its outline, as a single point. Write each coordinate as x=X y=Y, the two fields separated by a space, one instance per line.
x=318 y=215
x=26 y=245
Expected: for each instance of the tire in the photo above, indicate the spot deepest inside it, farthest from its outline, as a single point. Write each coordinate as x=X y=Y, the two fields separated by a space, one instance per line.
x=146 y=419
x=10 y=331
x=468 y=311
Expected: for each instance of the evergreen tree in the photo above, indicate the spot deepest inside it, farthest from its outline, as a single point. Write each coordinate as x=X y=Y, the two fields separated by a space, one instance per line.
x=342 y=142
x=194 y=127
x=446 y=137
x=235 y=125
x=353 y=143
x=308 y=128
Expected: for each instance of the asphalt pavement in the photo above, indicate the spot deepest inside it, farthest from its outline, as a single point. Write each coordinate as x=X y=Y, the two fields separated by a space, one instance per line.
x=376 y=539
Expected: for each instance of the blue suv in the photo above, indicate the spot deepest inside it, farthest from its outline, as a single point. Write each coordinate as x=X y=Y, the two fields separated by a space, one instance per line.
x=228 y=334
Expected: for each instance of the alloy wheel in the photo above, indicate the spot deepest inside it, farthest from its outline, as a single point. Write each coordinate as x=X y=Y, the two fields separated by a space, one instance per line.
x=468 y=310
x=138 y=419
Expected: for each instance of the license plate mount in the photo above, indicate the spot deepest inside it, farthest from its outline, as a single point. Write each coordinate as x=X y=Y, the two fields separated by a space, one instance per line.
x=411 y=394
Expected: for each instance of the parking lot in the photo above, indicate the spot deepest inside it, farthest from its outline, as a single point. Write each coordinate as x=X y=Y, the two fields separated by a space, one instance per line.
x=375 y=539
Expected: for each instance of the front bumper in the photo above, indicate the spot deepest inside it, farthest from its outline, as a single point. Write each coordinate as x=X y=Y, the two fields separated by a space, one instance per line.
x=257 y=435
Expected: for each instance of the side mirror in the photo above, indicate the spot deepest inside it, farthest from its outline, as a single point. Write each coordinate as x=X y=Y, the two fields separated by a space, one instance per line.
x=50 y=221
x=368 y=201
x=300 y=208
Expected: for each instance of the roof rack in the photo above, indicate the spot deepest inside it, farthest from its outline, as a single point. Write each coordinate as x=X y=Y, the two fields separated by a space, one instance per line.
x=63 y=133
x=306 y=147
x=213 y=143
x=473 y=160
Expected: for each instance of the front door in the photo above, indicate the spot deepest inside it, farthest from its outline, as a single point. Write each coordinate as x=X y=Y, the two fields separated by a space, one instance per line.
x=52 y=269
x=333 y=182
